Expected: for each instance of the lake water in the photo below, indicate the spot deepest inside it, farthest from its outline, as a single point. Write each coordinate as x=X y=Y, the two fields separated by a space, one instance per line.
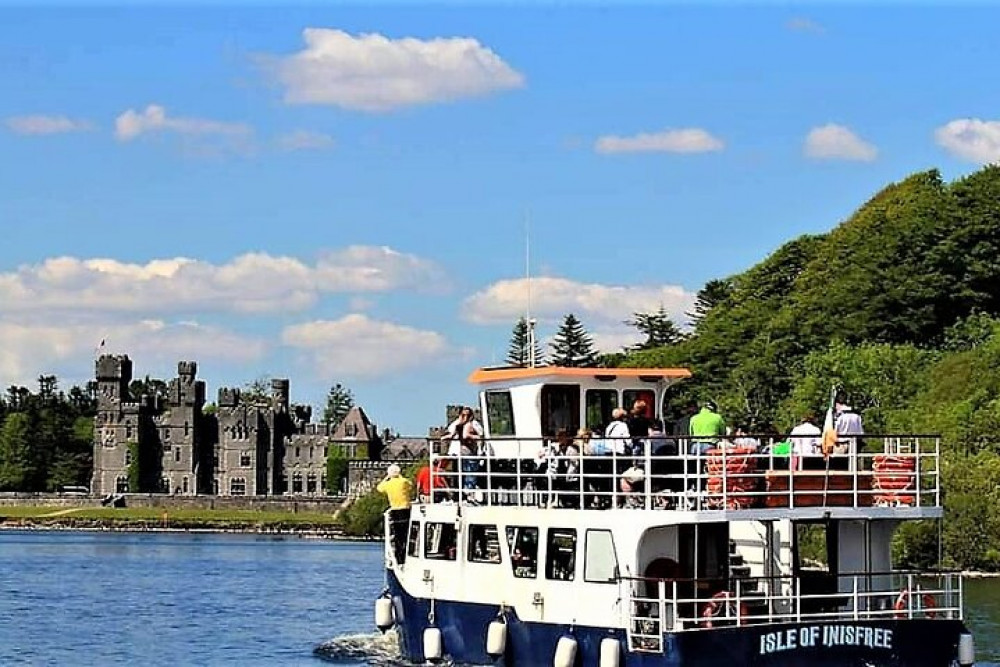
x=208 y=599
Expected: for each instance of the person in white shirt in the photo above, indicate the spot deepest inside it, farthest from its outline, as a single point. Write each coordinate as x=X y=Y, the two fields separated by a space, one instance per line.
x=617 y=431
x=464 y=435
x=807 y=440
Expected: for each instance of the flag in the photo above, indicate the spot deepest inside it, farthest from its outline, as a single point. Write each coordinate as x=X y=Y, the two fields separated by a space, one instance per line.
x=97 y=350
x=829 y=429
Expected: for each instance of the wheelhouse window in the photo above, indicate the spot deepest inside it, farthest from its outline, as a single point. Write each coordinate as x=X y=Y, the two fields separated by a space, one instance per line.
x=560 y=559
x=440 y=541
x=599 y=404
x=500 y=413
x=484 y=544
x=600 y=564
x=413 y=543
x=523 y=544
x=560 y=409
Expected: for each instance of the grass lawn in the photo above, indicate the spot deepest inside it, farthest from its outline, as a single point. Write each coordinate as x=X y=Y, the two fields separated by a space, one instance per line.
x=171 y=517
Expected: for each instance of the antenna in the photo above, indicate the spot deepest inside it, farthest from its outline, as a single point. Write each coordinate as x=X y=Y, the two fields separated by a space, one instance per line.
x=527 y=277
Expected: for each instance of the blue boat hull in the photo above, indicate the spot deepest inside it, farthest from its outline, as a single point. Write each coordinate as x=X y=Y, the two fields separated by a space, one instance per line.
x=883 y=643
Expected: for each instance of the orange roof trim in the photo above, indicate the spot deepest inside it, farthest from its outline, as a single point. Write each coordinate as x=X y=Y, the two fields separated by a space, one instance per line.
x=482 y=375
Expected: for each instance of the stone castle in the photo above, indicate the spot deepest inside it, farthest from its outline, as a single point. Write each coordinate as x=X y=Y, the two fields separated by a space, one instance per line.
x=169 y=443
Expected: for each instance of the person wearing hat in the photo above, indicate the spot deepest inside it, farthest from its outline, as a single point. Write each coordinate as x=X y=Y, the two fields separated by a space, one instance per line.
x=706 y=428
x=399 y=491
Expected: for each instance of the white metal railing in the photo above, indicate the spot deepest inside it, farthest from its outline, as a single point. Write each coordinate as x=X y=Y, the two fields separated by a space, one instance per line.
x=658 y=606
x=662 y=473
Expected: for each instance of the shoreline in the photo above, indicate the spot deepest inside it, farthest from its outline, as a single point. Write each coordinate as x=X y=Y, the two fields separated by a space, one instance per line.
x=333 y=535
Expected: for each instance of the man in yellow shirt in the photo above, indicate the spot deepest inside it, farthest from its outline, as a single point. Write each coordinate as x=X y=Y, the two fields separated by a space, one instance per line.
x=399 y=491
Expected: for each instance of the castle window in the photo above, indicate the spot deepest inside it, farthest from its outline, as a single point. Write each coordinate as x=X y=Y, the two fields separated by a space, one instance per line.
x=297 y=483
x=121 y=484
x=187 y=429
x=215 y=487
x=128 y=456
x=167 y=448
x=166 y=433
x=165 y=485
x=298 y=452
x=351 y=429
x=128 y=431
x=311 y=483
x=322 y=483
x=237 y=486
x=215 y=460
x=245 y=459
x=326 y=452
x=177 y=454
x=311 y=453
x=184 y=485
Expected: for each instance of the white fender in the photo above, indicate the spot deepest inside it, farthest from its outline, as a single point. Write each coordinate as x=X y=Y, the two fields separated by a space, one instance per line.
x=966 y=650
x=565 y=653
x=496 y=638
x=383 y=614
x=610 y=652
x=432 y=644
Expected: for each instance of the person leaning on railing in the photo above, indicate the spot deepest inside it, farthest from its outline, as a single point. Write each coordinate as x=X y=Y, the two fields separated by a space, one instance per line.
x=399 y=491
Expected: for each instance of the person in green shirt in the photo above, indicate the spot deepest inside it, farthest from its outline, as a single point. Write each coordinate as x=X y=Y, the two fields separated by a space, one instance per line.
x=706 y=428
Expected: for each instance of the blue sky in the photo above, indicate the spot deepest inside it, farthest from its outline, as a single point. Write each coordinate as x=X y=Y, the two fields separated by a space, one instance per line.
x=337 y=193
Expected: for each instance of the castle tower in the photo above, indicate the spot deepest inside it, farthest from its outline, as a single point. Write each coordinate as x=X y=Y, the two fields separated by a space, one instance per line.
x=113 y=374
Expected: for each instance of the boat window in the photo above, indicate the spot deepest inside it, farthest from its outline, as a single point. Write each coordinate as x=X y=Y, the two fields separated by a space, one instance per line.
x=499 y=413
x=600 y=403
x=440 y=541
x=630 y=396
x=413 y=544
x=560 y=561
x=816 y=546
x=523 y=544
x=560 y=409
x=484 y=543
x=600 y=564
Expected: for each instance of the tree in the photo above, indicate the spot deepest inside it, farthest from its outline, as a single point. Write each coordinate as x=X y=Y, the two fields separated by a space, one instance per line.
x=18 y=467
x=572 y=345
x=519 y=352
x=657 y=327
x=339 y=402
x=712 y=294
x=256 y=391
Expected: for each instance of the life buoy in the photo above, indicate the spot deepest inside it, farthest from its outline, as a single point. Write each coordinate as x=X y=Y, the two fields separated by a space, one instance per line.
x=927 y=603
x=719 y=602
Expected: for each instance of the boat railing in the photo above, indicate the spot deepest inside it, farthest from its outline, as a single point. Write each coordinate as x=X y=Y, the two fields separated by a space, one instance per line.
x=658 y=606
x=681 y=474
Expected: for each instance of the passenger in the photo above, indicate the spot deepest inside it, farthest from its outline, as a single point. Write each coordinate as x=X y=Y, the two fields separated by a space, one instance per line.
x=848 y=423
x=639 y=426
x=617 y=432
x=742 y=439
x=682 y=427
x=430 y=481
x=632 y=484
x=463 y=433
x=706 y=428
x=564 y=469
x=399 y=491
x=807 y=444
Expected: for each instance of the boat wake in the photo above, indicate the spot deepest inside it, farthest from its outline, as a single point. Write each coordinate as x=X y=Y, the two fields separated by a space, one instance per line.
x=381 y=650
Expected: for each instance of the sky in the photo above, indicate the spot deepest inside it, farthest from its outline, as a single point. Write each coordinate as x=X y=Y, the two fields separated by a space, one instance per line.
x=354 y=194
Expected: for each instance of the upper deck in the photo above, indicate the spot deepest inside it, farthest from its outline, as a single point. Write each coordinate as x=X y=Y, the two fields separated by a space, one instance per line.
x=893 y=477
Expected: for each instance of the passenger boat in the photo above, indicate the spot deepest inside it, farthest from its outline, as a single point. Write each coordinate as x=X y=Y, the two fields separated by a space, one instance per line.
x=694 y=560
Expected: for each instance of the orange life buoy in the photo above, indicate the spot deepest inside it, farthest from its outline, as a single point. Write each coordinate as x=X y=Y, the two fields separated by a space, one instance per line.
x=927 y=602
x=719 y=602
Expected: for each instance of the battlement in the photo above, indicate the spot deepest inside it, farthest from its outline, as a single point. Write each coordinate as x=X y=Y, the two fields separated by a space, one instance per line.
x=110 y=367
x=229 y=397
x=187 y=370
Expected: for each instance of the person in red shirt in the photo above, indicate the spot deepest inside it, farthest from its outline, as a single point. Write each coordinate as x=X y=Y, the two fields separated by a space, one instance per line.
x=428 y=479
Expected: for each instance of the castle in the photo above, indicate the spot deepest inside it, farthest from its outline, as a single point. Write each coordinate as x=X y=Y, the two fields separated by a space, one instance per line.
x=168 y=442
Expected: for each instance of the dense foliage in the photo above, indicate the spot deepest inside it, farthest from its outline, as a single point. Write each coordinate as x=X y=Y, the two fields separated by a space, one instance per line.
x=900 y=306
x=339 y=401
x=46 y=438
x=519 y=352
x=572 y=345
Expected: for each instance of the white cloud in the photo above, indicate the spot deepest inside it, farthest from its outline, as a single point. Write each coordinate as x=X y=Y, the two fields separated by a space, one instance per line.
x=68 y=349
x=201 y=134
x=371 y=72
x=803 y=24
x=971 y=139
x=303 y=140
x=836 y=142
x=356 y=345
x=254 y=282
x=682 y=140
x=551 y=298
x=40 y=124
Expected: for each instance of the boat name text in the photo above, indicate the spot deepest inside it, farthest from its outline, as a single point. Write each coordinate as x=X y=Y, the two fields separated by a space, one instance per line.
x=825 y=635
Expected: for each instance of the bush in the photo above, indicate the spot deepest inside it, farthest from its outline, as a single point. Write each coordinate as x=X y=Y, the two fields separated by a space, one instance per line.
x=364 y=518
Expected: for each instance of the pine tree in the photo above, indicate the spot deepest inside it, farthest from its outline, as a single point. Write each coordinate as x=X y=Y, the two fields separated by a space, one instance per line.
x=657 y=327
x=339 y=402
x=572 y=345
x=18 y=467
x=518 y=353
x=712 y=294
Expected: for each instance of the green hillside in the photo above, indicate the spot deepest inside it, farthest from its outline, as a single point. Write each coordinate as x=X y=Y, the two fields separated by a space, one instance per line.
x=900 y=306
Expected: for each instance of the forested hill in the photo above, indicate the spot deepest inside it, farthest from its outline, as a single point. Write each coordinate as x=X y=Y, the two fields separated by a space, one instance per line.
x=899 y=305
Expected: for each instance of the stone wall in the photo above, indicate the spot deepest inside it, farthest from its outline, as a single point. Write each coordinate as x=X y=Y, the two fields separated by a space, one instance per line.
x=328 y=504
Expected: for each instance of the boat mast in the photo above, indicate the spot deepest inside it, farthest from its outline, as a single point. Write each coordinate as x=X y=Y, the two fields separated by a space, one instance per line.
x=527 y=277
